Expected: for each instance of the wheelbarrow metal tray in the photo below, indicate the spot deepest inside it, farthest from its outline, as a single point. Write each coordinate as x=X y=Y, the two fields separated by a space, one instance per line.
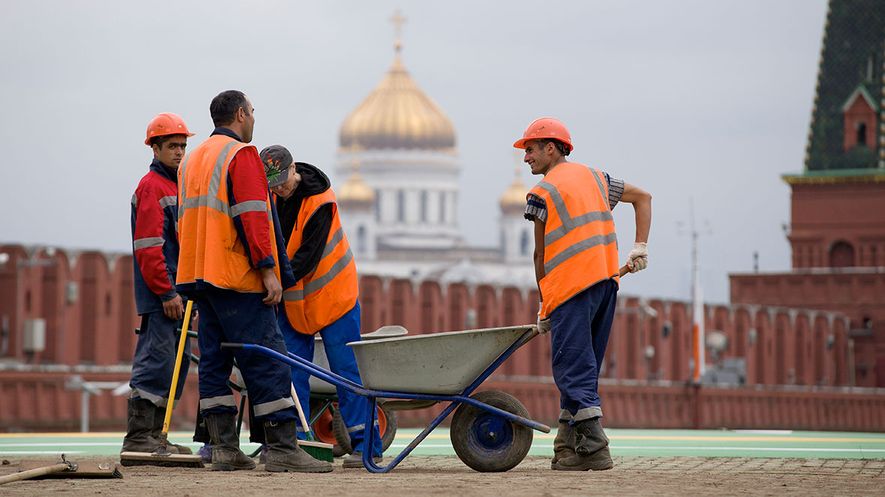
x=436 y=363
x=318 y=386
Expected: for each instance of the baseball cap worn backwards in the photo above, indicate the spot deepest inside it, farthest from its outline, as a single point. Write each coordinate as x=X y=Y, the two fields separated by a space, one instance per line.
x=276 y=159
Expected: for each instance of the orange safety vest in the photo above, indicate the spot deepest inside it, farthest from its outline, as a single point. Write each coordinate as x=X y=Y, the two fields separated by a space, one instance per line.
x=580 y=245
x=210 y=251
x=329 y=291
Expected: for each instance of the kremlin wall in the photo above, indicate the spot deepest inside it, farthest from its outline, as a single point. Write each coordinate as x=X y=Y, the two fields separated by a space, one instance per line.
x=795 y=374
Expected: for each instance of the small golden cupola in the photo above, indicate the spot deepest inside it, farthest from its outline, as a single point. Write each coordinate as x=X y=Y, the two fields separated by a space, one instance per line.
x=355 y=190
x=513 y=199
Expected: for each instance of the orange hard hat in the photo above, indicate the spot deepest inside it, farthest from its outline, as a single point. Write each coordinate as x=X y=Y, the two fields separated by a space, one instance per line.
x=546 y=128
x=165 y=124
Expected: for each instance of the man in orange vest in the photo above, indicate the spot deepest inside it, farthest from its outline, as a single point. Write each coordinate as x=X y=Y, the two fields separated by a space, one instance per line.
x=231 y=263
x=154 y=213
x=576 y=265
x=324 y=298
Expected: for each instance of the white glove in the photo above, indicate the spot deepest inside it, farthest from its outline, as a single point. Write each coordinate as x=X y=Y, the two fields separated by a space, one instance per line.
x=637 y=260
x=543 y=324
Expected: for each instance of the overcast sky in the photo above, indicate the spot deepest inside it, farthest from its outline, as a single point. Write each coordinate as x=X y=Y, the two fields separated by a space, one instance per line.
x=700 y=100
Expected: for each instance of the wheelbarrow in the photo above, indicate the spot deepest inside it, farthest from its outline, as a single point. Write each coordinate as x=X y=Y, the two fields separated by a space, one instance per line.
x=325 y=418
x=490 y=430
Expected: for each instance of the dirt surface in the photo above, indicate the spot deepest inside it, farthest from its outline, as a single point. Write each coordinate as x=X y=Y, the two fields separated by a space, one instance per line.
x=658 y=477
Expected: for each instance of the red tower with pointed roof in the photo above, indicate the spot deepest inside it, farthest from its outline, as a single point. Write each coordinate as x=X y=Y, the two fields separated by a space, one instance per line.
x=837 y=230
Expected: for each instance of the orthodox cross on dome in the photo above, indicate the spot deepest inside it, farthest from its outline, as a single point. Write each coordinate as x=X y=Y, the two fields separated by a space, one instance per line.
x=398 y=20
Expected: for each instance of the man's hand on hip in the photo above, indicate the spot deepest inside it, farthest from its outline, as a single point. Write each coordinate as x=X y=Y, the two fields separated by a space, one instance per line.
x=272 y=285
x=637 y=260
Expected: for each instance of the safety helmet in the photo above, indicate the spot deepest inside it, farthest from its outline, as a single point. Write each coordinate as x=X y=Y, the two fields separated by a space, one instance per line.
x=165 y=124
x=546 y=128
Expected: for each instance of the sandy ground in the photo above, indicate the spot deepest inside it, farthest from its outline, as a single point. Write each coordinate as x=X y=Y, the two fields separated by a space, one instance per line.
x=659 y=477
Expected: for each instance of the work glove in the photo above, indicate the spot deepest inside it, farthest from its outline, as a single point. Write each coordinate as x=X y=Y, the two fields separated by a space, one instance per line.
x=637 y=260
x=543 y=324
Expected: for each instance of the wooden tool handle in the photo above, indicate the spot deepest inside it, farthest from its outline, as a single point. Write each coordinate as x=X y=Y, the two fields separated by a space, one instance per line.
x=35 y=473
x=301 y=415
x=624 y=270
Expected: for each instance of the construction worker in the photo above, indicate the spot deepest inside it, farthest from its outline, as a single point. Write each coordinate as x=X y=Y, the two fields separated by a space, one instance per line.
x=576 y=266
x=324 y=298
x=231 y=264
x=155 y=249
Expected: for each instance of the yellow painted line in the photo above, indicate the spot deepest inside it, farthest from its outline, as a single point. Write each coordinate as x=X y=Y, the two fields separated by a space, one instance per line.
x=440 y=436
x=66 y=434
x=689 y=438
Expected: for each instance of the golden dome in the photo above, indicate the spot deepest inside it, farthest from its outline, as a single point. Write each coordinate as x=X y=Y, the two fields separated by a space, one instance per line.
x=355 y=189
x=514 y=195
x=397 y=114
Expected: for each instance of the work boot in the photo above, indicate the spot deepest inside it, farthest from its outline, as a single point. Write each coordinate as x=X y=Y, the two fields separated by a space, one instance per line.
x=591 y=449
x=157 y=432
x=283 y=452
x=355 y=460
x=139 y=424
x=226 y=453
x=564 y=443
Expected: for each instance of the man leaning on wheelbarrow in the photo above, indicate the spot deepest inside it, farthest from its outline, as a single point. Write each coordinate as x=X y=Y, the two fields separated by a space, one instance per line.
x=576 y=265
x=324 y=298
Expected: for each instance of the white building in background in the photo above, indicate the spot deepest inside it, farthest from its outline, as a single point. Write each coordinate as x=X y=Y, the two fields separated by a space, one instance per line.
x=399 y=203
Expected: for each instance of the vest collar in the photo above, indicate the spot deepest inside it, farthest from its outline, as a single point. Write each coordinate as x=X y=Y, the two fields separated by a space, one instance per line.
x=221 y=130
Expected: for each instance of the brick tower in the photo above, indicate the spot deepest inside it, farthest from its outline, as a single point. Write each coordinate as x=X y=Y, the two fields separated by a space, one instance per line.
x=837 y=230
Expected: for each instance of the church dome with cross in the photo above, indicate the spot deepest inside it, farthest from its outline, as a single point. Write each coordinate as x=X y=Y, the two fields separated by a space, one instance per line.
x=400 y=192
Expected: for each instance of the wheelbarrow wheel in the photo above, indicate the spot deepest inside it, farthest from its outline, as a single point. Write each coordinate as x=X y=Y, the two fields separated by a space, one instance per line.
x=386 y=428
x=488 y=442
x=324 y=427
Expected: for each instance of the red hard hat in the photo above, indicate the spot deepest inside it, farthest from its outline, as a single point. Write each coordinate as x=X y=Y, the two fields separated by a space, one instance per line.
x=165 y=124
x=546 y=128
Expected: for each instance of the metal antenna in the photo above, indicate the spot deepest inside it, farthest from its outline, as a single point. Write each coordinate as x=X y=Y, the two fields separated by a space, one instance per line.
x=697 y=314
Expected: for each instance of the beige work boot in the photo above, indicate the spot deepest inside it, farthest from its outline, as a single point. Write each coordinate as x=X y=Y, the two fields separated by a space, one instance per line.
x=226 y=453
x=591 y=449
x=564 y=443
x=284 y=454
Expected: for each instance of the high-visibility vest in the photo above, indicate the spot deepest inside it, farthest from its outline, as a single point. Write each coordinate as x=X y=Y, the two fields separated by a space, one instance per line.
x=210 y=251
x=580 y=246
x=331 y=290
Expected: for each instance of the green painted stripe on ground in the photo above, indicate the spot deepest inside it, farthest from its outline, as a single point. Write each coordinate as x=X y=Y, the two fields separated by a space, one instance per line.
x=651 y=443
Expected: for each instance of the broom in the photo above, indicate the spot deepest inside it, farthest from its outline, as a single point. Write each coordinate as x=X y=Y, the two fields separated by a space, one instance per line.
x=318 y=450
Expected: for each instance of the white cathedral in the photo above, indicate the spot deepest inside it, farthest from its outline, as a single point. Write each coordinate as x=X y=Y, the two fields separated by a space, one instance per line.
x=399 y=201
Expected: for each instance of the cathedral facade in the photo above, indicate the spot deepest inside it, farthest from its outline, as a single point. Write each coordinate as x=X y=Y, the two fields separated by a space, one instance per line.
x=399 y=201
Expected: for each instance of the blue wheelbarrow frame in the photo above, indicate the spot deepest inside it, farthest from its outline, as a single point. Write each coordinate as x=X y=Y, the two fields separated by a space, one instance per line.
x=373 y=395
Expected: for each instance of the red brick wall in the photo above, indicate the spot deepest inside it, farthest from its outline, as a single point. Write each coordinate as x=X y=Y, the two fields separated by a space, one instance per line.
x=40 y=402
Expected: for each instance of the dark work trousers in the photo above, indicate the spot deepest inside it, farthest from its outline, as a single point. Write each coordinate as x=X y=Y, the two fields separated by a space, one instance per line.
x=342 y=362
x=580 y=328
x=229 y=316
x=154 y=359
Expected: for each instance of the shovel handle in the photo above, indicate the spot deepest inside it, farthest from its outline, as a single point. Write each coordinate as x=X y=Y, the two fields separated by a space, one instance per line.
x=35 y=473
x=624 y=270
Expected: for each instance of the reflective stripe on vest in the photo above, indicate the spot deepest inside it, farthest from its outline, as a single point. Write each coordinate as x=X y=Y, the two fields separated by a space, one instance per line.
x=211 y=250
x=580 y=244
x=331 y=290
